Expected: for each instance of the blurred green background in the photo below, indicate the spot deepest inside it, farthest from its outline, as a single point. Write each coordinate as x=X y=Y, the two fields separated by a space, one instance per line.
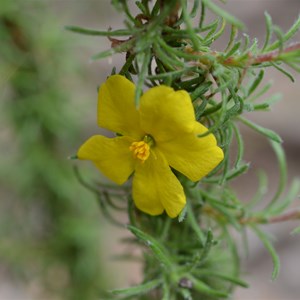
x=49 y=224
x=54 y=243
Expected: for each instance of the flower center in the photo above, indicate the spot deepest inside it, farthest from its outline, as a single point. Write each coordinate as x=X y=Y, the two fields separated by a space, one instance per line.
x=141 y=149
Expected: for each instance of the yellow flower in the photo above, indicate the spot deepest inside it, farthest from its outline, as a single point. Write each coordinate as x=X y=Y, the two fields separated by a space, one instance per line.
x=160 y=134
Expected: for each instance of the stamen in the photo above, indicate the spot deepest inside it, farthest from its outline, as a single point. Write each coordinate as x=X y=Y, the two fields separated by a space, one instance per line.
x=141 y=150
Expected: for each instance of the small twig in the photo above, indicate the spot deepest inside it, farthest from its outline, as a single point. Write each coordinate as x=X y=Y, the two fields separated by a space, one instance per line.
x=267 y=57
x=293 y=215
x=274 y=55
x=289 y=216
x=245 y=62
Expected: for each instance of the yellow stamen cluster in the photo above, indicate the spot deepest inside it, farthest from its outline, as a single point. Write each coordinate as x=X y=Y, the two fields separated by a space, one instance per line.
x=141 y=150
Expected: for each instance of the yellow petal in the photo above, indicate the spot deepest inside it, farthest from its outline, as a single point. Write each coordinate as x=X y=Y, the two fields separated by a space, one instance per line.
x=166 y=113
x=116 y=108
x=156 y=188
x=193 y=156
x=110 y=155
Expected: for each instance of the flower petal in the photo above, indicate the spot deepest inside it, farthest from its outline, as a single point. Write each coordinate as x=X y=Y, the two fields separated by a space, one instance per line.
x=165 y=113
x=116 y=108
x=193 y=156
x=110 y=155
x=156 y=188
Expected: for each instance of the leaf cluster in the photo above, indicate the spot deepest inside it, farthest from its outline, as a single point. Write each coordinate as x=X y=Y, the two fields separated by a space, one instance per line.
x=171 y=43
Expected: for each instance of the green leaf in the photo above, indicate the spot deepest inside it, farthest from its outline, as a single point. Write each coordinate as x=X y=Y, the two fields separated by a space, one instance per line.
x=227 y=214
x=221 y=202
x=207 y=246
x=233 y=35
x=143 y=8
x=291 y=32
x=202 y=287
x=172 y=74
x=202 y=15
x=256 y=82
x=195 y=9
x=269 y=30
x=280 y=155
x=268 y=245
x=225 y=15
x=264 y=131
x=166 y=291
x=186 y=294
x=211 y=274
x=293 y=66
x=233 y=50
x=189 y=26
x=240 y=145
x=264 y=89
x=169 y=63
x=191 y=218
x=293 y=194
x=218 y=33
x=143 y=60
x=183 y=214
x=157 y=248
x=285 y=72
x=138 y=289
x=120 y=32
x=231 y=174
x=128 y=65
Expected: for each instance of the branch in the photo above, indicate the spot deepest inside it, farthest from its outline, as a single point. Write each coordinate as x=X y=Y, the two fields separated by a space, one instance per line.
x=289 y=216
